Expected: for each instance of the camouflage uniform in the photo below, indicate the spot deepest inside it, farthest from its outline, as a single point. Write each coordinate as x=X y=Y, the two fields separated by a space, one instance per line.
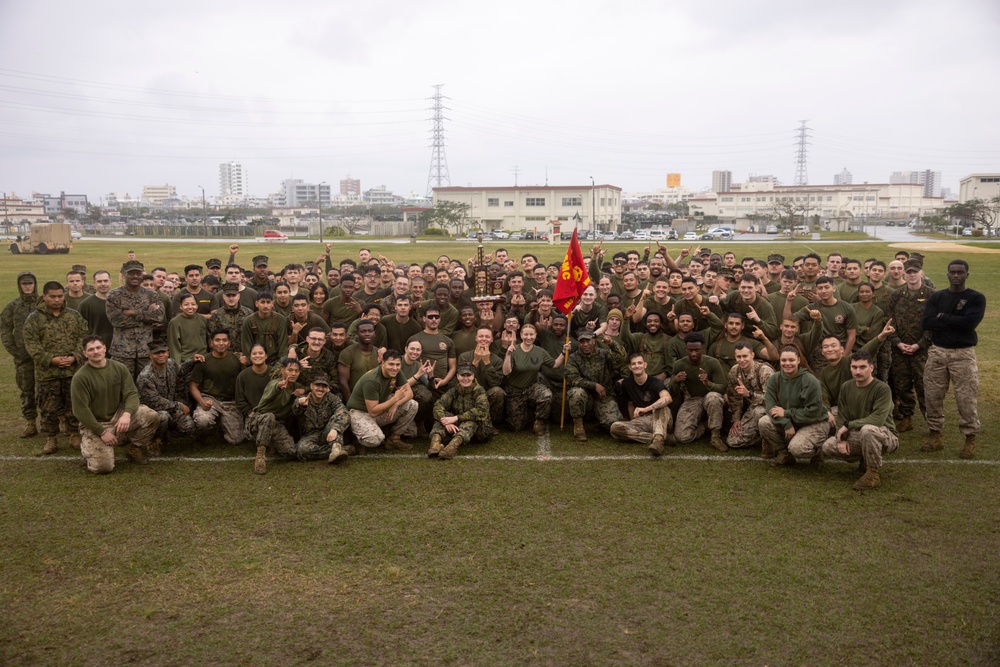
x=747 y=411
x=325 y=364
x=226 y=413
x=906 y=308
x=698 y=399
x=12 y=334
x=316 y=420
x=47 y=336
x=472 y=409
x=266 y=430
x=518 y=405
x=584 y=373
x=489 y=376
x=370 y=431
x=166 y=392
x=644 y=427
x=230 y=321
x=133 y=333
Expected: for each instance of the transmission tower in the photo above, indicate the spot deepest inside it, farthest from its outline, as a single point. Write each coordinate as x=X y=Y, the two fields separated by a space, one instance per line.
x=438 y=174
x=802 y=137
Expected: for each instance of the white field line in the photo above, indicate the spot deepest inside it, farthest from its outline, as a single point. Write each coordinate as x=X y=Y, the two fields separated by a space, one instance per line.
x=544 y=453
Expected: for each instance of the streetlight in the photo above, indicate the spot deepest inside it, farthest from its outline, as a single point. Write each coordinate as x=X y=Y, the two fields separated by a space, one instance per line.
x=204 y=212
x=593 y=207
x=319 y=196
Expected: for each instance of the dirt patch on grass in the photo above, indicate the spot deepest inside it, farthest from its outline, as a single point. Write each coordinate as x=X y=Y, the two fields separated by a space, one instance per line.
x=943 y=247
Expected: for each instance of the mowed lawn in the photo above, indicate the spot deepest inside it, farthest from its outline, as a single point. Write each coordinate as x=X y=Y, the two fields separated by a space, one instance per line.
x=521 y=551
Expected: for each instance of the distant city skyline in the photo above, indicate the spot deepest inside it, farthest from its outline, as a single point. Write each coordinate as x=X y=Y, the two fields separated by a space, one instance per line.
x=113 y=101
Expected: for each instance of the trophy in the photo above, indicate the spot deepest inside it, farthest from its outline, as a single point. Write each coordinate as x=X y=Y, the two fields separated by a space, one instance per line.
x=489 y=282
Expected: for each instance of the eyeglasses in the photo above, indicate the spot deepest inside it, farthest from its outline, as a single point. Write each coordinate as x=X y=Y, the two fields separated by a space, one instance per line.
x=432 y=317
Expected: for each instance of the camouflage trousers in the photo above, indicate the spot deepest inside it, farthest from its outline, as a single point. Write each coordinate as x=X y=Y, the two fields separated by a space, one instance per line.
x=24 y=375
x=314 y=446
x=371 y=431
x=54 y=401
x=907 y=378
x=807 y=441
x=266 y=430
x=643 y=428
x=224 y=413
x=689 y=426
x=133 y=364
x=952 y=366
x=518 y=405
x=100 y=457
x=749 y=433
x=497 y=397
x=869 y=442
x=174 y=421
x=580 y=401
x=468 y=431
x=883 y=362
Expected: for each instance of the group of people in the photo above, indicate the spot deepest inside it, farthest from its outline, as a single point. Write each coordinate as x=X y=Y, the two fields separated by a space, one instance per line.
x=806 y=360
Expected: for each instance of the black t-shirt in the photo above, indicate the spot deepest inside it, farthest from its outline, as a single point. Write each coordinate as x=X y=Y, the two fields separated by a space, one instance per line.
x=642 y=396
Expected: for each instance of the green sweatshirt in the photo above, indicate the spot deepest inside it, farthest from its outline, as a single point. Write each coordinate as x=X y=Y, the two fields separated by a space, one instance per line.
x=97 y=393
x=718 y=381
x=800 y=395
x=276 y=400
x=865 y=405
x=187 y=336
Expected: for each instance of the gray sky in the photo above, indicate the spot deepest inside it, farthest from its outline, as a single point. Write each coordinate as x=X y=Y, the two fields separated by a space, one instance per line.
x=104 y=96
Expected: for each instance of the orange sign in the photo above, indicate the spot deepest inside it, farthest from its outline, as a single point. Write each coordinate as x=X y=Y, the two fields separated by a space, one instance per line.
x=673 y=180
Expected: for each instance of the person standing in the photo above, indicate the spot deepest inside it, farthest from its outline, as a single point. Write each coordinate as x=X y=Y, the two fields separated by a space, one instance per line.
x=910 y=343
x=12 y=334
x=52 y=336
x=94 y=308
x=590 y=376
x=106 y=403
x=951 y=317
x=865 y=428
x=133 y=311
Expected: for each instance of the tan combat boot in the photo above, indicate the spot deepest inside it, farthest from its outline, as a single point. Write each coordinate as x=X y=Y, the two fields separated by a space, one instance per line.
x=337 y=454
x=783 y=458
x=30 y=428
x=395 y=441
x=154 y=447
x=436 y=446
x=579 y=432
x=969 y=450
x=51 y=445
x=869 y=480
x=905 y=424
x=136 y=454
x=75 y=440
x=260 y=462
x=449 y=452
x=539 y=428
x=934 y=442
x=656 y=446
x=817 y=459
x=717 y=443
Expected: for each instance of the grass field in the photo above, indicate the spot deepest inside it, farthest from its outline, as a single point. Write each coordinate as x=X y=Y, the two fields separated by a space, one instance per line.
x=522 y=551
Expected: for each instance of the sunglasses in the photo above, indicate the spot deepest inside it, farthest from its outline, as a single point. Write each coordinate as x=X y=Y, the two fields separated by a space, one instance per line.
x=432 y=317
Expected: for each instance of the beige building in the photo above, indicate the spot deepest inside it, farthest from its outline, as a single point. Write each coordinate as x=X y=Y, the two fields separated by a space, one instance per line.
x=157 y=194
x=840 y=205
x=979 y=186
x=528 y=208
x=18 y=215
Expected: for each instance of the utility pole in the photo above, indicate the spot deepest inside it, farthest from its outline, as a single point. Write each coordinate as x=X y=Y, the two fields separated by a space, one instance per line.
x=593 y=207
x=204 y=212
x=319 y=196
x=516 y=170
x=438 y=174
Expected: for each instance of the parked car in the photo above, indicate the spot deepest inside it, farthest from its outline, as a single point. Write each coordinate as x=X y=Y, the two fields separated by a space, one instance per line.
x=967 y=231
x=517 y=236
x=771 y=229
x=691 y=236
x=501 y=234
x=274 y=235
x=609 y=236
x=707 y=236
x=75 y=235
x=725 y=236
x=642 y=235
x=625 y=236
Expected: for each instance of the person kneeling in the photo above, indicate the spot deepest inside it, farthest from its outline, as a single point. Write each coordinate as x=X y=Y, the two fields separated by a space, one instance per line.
x=322 y=421
x=106 y=402
x=648 y=408
x=266 y=426
x=795 y=425
x=865 y=428
x=460 y=415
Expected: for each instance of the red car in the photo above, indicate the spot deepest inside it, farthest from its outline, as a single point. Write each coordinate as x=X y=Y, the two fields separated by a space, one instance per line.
x=274 y=235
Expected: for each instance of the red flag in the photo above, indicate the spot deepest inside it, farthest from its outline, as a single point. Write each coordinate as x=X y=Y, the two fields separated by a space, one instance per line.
x=573 y=278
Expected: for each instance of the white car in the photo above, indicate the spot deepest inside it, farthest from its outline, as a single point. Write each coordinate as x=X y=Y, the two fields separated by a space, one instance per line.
x=967 y=231
x=75 y=235
x=609 y=236
x=642 y=235
x=500 y=234
x=691 y=236
x=771 y=229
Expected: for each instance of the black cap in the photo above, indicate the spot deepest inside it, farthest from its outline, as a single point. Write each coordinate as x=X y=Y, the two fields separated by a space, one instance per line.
x=213 y=263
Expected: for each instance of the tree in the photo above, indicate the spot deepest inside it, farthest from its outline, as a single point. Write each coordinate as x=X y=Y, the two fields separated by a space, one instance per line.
x=980 y=212
x=448 y=215
x=679 y=208
x=786 y=213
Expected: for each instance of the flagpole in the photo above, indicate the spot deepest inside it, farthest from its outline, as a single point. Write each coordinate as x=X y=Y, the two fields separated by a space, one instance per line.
x=562 y=418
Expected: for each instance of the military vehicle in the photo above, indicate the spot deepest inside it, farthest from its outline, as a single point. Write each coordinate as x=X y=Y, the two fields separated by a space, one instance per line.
x=44 y=237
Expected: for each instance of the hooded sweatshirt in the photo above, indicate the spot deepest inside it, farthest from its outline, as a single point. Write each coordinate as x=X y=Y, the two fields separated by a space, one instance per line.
x=801 y=395
x=12 y=320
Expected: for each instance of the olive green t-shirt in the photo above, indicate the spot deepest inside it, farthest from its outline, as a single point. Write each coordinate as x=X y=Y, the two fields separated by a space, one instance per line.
x=217 y=377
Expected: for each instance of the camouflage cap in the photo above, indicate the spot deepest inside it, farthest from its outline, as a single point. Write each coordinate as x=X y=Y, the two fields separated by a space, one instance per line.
x=913 y=265
x=157 y=346
x=727 y=272
x=133 y=265
x=79 y=268
x=260 y=260
x=585 y=334
x=466 y=369
x=917 y=256
x=775 y=258
x=213 y=263
x=230 y=288
x=705 y=252
x=321 y=379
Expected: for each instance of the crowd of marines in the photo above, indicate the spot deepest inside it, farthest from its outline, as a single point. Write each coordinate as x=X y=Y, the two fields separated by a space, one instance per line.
x=804 y=360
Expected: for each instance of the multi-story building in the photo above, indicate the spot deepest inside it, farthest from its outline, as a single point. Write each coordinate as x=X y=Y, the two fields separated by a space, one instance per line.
x=232 y=183
x=843 y=178
x=979 y=186
x=523 y=208
x=382 y=196
x=157 y=194
x=350 y=187
x=296 y=192
x=722 y=181
x=838 y=204
x=55 y=204
x=16 y=214
x=931 y=180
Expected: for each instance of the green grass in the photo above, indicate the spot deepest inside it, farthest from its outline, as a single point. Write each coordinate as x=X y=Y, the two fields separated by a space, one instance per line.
x=397 y=559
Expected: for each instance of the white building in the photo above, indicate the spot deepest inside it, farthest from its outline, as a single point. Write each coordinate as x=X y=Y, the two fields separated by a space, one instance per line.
x=663 y=196
x=722 y=181
x=931 y=180
x=382 y=196
x=55 y=204
x=232 y=183
x=157 y=194
x=16 y=213
x=843 y=178
x=296 y=192
x=979 y=186
x=527 y=208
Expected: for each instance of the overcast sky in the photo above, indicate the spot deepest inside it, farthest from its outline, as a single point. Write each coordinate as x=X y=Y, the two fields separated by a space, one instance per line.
x=101 y=96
